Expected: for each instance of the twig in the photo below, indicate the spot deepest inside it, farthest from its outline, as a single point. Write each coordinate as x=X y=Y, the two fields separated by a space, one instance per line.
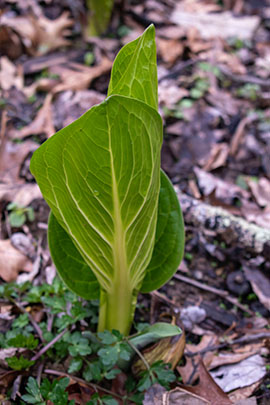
x=79 y=380
x=31 y=319
x=139 y=354
x=221 y=293
x=244 y=78
x=242 y=340
x=48 y=345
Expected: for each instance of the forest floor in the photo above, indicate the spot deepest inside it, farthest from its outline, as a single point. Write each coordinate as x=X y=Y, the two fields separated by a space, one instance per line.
x=214 y=98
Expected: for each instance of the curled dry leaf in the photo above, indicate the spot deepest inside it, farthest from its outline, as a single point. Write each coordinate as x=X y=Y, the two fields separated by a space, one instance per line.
x=260 y=191
x=12 y=157
x=260 y=285
x=78 y=77
x=170 y=50
x=224 y=192
x=10 y=75
x=12 y=261
x=170 y=350
x=43 y=122
x=218 y=156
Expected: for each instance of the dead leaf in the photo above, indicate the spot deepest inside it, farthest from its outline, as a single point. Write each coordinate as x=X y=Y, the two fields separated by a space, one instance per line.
x=12 y=261
x=224 y=192
x=79 y=77
x=218 y=156
x=245 y=373
x=260 y=285
x=40 y=35
x=12 y=159
x=239 y=133
x=10 y=75
x=170 y=350
x=230 y=358
x=241 y=396
x=208 y=389
x=170 y=94
x=260 y=191
x=42 y=124
x=189 y=372
x=170 y=50
x=253 y=213
x=21 y=194
x=68 y=106
x=222 y=25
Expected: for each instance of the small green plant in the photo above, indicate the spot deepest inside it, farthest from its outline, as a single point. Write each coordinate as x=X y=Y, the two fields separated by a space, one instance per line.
x=100 y=15
x=249 y=90
x=18 y=215
x=116 y=226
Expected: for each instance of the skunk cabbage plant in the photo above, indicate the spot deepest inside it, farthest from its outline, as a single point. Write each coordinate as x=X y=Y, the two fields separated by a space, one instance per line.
x=115 y=226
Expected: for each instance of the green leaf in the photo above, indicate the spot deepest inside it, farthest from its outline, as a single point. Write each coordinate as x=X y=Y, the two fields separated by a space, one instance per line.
x=71 y=266
x=75 y=365
x=100 y=16
x=134 y=72
x=16 y=219
x=100 y=176
x=23 y=341
x=34 y=396
x=169 y=241
x=155 y=332
x=19 y=363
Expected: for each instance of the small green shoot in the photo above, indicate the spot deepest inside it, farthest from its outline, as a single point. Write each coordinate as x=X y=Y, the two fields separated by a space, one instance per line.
x=18 y=215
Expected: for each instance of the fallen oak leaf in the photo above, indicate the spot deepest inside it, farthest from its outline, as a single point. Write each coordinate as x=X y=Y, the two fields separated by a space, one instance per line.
x=40 y=35
x=208 y=389
x=12 y=261
x=10 y=75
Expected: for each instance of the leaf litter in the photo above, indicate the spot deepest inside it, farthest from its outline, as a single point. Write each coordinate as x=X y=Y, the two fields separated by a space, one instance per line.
x=214 y=101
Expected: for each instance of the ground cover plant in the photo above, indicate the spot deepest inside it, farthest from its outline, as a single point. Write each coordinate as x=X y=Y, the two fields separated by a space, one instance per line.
x=213 y=93
x=116 y=226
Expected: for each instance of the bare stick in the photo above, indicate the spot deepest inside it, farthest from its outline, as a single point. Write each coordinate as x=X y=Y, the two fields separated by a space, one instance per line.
x=221 y=293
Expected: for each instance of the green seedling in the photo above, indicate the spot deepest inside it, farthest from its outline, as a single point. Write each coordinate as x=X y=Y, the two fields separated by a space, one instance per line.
x=115 y=227
x=249 y=91
x=19 y=215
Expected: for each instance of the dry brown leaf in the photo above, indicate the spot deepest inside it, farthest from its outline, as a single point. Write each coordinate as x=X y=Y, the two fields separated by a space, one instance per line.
x=169 y=93
x=241 y=396
x=40 y=35
x=21 y=194
x=12 y=159
x=260 y=285
x=170 y=50
x=10 y=75
x=260 y=191
x=239 y=133
x=229 y=358
x=189 y=372
x=218 y=156
x=224 y=192
x=222 y=25
x=12 y=261
x=79 y=77
x=43 y=122
x=242 y=374
x=208 y=389
x=253 y=213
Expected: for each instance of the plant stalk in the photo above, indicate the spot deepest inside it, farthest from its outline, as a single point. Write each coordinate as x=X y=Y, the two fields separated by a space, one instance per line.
x=117 y=308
